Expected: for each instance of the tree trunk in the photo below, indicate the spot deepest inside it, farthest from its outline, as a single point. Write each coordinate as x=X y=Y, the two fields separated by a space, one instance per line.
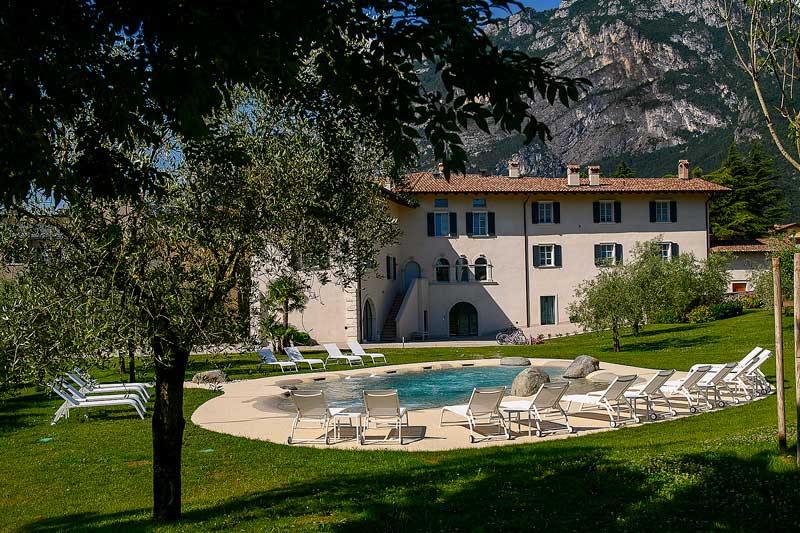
x=636 y=328
x=286 y=313
x=168 y=425
x=121 y=364
x=615 y=332
x=131 y=365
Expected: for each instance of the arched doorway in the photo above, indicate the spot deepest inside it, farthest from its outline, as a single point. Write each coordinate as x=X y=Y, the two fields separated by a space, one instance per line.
x=368 y=322
x=463 y=320
x=410 y=272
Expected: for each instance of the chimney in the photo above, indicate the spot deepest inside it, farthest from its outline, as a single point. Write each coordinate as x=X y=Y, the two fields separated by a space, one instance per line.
x=513 y=169
x=573 y=175
x=594 y=175
x=683 y=169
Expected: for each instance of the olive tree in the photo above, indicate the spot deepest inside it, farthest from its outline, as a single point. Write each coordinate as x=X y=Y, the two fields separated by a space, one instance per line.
x=167 y=262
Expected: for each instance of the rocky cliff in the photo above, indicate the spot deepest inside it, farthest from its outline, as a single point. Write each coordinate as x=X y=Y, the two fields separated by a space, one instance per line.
x=666 y=87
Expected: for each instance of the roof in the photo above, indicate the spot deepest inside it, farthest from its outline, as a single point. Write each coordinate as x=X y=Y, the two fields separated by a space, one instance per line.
x=782 y=227
x=427 y=182
x=741 y=245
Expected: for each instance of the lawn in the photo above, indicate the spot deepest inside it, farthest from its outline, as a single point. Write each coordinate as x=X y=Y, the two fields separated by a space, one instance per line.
x=716 y=471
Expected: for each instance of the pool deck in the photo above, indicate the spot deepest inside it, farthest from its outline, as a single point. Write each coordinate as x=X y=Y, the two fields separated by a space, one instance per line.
x=250 y=408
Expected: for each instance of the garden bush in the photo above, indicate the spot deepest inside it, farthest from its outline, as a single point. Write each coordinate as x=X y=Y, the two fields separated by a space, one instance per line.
x=751 y=302
x=668 y=316
x=726 y=309
x=699 y=315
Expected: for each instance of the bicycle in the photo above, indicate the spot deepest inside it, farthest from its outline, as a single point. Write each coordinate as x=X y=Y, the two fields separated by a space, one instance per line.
x=511 y=336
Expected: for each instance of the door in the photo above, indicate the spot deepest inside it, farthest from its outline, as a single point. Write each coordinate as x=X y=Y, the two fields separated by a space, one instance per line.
x=410 y=272
x=368 y=333
x=463 y=320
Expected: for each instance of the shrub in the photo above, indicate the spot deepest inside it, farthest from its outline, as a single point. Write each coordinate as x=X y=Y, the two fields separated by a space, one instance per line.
x=699 y=315
x=751 y=302
x=301 y=337
x=726 y=309
x=668 y=316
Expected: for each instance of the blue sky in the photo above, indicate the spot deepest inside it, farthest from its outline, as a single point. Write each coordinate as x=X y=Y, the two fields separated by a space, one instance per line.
x=540 y=5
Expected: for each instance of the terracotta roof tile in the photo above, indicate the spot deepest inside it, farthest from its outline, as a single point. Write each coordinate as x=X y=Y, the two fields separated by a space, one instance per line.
x=741 y=245
x=427 y=182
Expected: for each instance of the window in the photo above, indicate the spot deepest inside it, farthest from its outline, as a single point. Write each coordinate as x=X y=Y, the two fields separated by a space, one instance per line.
x=547 y=256
x=440 y=202
x=441 y=224
x=442 y=270
x=462 y=269
x=739 y=286
x=545 y=212
x=606 y=212
x=607 y=254
x=391 y=267
x=666 y=250
x=547 y=308
x=479 y=202
x=662 y=211
x=481 y=268
x=480 y=224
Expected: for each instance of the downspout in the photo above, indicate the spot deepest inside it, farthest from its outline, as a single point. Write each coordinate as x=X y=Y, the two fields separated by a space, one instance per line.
x=358 y=310
x=527 y=270
x=708 y=228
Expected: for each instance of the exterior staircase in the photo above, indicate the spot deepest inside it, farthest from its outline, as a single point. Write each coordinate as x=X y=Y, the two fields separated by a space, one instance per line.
x=389 y=331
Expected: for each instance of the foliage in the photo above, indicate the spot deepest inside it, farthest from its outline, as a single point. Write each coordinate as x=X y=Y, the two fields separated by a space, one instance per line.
x=623 y=171
x=726 y=309
x=112 y=74
x=754 y=204
x=762 y=280
x=751 y=301
x=285 y=294
x=648 y=288
x=279 y=335
x=699 y=315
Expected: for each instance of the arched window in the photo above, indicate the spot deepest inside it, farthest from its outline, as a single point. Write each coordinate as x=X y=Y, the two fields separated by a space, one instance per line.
x=442 y=269
x=462 y=269
x=368 y=326
x=481 y=268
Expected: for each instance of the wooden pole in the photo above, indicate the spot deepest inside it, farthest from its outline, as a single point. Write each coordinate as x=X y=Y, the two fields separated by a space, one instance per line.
x=797 y=345
x=778 y=305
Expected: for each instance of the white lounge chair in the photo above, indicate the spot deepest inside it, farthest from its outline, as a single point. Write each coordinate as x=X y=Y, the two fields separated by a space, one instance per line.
x=750 y=379
x=483 y=409
x=382 y=408
x=743 y=362
x=336 y=355
x=611 y=399
x=92 y=387
x=88 y=378
x=687 y=385
x=650 y=392
x=716 y=382
x=75 y=402
x=268 y=358
x=359 y=351
x=296 y=356
x=547 y=400
x=312 y=407
x=83 y=396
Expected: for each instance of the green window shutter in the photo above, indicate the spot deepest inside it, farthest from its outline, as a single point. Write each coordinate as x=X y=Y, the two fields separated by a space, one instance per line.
x=431 y=231
x=596 y=211
x=469 y=222
x=490 y=222
x=673 y=211
x=557 y=254
x=617 y=254
x=535 y=213
x=536 y=256
x=453 y=225
x=556 y=212
x=617 y=212
x=652 y=211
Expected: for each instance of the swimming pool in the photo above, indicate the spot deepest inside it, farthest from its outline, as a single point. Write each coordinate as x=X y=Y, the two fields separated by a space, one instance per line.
x=427 y=389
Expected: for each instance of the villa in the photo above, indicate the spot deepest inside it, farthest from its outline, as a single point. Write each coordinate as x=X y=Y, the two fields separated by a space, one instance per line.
x=481 y=253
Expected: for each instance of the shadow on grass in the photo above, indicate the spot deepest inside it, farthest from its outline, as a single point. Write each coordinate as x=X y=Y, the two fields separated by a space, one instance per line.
x=513 y=488
x=670 y=343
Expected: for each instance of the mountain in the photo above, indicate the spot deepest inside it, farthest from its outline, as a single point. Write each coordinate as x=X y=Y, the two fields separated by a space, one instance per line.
x=666 y=86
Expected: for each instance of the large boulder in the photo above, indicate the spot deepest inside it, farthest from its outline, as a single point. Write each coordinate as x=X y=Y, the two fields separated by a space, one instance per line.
x=528 y=382
x=210 y=376
x=515 y=361
x=582 y=366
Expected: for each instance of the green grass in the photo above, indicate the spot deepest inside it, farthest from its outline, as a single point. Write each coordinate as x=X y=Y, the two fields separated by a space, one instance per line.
x=717 y=471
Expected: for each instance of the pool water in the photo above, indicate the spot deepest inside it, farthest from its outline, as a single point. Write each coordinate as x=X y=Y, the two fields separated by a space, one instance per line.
x=430 y=388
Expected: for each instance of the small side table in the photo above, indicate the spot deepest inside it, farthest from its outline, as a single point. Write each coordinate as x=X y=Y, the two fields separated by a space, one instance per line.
x=349 y=414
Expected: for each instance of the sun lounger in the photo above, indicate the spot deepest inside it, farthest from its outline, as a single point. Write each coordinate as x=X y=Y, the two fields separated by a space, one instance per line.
x=746 y=360
x=336 y=355
x=752 y=379
x=268 y=358
x=483 y=409
x=92 y=387
x=650 y=392
x=383 y=407
x=686 y=386
x=74 y=401
x=715 y=382
x=296 y=356
x=312 y=407
x=359 y=351
x=611 y=399
x=546 y=401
